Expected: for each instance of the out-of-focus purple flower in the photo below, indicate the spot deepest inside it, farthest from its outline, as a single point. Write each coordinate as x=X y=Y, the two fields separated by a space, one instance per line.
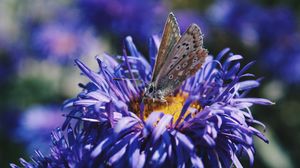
x=284 y=57
x=186 y=17
x=267 y=29
x=134 y=17
x=251 y=22
x=56 y=32
x=61 y=41
x=35 y=126
x=207 y=123
x=276 y=24
x=237 y=17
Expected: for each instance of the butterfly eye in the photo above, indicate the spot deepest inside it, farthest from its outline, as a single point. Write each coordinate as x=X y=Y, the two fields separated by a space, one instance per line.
x=151 y=89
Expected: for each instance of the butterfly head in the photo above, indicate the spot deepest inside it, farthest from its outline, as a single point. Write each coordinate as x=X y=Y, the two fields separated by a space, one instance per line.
x=152 y=92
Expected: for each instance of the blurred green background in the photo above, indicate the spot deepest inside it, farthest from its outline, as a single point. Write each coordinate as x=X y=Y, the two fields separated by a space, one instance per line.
x=39 y=39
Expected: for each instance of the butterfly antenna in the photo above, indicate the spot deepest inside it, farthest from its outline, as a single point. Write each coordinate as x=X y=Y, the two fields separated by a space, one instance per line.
x=168 y=107
x=125 y=79
x=122 y=79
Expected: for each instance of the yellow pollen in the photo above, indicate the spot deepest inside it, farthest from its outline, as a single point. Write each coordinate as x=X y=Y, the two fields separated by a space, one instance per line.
x=172 y=106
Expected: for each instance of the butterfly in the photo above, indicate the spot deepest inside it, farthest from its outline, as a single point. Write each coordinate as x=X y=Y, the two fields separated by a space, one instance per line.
x=178 y=58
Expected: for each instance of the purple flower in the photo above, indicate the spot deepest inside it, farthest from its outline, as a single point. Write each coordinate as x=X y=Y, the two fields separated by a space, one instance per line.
x=268 y=31
x=186 y=17
x=250 y=21
x=57 y=33
x=62 y=40
x=207 y=123
x=35 y=126
x=284 y=57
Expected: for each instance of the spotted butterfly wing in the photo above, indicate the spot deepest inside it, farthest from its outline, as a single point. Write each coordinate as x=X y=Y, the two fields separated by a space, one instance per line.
x=171 y=35
x=190 y=65
x=186 y=58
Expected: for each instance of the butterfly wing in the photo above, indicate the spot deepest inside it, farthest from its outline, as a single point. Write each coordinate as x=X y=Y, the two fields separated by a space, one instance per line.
x=186 y=58
x=171 y=35
x=189 y=66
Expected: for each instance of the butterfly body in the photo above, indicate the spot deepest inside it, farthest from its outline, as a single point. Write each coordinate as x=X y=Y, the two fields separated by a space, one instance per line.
x=179 y=57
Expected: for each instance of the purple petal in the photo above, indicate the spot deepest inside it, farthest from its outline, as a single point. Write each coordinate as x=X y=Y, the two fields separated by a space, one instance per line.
x=13 y=165
x=110 y=61
x=236 y=138
x=183 y=110
x=85 y=102
x=69 y=103
x=230 y=60
x=99 y=95
x=234 y=58
x=117 y=156
x=196 y=162
x=259 y=134
x=141 y=160
x=25 y=164
x=153 y=117
x=89 y=73
x=124 y=124
x=184 y=140
x=179 y=154
x=100 y=147
x=161 y=126
x=131 y=47
x=232 y=72
x=245 y=85
x=210 y=141
x=261 y=101
x=236 y=162
x=117 y=150
x=71 y=138
x=245 y=68
x=134 y=152
x=250 y=154
x=222 y=53
x=247 y=75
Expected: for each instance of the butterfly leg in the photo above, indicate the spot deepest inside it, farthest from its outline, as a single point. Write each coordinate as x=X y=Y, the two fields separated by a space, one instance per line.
x=163 y=100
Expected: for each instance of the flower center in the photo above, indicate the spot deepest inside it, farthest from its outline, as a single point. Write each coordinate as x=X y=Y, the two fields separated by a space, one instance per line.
x=172 y=106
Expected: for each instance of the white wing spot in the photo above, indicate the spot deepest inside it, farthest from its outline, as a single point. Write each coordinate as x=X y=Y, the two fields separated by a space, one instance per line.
x=184 y=64
x=180 y=73
x=171 y=76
